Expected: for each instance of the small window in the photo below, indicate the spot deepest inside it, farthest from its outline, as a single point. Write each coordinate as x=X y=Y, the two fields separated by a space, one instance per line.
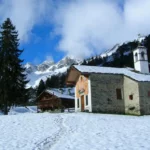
x=118 y=93
x=78 y=105
x=86 y=99
x=131 y=97
x=148 y=94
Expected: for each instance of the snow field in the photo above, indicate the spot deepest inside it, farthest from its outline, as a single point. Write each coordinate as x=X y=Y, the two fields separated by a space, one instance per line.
x=104 y=132
x=74 y=131
x=27 y=131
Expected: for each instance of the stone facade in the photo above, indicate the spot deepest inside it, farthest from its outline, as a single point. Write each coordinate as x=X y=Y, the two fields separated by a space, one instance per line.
x=113 y=90
x=103 y=89
x=140 y=93
x=144 y=95
x=131 y=96
x=110 y=90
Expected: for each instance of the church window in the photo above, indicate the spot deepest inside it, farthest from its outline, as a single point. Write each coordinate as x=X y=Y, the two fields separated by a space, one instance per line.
x=131 y=97
x=136 y=57
x=78 y=103
x=118 y=94
x=86 y=99
x=142 y=55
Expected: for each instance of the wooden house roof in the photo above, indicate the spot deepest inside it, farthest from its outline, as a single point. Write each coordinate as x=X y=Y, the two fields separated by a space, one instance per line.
x=60 y=94
x=63 y=94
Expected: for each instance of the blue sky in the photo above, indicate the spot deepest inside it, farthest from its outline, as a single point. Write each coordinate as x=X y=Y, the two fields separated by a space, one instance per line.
x=43 y=46
x=52 y=29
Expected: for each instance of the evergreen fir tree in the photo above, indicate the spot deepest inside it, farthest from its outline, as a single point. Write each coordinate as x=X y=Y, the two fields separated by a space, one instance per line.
x=54 y=81
x=84 y=62
x=12 y=77
x=62 y=79
x=40 y=88
x=48 y=83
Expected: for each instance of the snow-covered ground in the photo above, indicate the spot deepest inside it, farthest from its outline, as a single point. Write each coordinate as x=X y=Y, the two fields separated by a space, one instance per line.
x=74 y=131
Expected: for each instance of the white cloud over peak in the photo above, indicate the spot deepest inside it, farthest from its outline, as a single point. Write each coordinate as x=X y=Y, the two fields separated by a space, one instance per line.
x=88 y=27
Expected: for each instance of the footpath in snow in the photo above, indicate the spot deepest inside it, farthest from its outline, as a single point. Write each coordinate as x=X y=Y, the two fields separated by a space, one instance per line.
x=74 y=131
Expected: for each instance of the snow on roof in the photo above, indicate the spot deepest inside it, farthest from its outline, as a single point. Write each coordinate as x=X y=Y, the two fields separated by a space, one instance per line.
x=60 y=94
x=110 y=70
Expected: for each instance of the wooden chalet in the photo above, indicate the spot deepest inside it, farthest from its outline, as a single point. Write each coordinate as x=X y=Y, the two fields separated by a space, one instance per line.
x=55 y=99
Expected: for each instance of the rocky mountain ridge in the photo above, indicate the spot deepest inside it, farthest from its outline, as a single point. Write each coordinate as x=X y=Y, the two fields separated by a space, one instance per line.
x=48 y=68
x=51 y=65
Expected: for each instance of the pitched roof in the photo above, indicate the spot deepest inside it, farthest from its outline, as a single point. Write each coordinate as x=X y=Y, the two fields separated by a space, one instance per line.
x=58 y=93
x=110 y=70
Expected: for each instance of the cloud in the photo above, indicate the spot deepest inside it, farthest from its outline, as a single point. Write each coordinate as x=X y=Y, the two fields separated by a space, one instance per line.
x=136 y=16
x=88 y=27
x=25 y=14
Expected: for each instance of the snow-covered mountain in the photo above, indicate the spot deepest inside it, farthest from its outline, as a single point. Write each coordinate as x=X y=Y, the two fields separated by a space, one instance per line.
x=110 y=51
x=48 y=68
x=30 y=68
x=45 y=65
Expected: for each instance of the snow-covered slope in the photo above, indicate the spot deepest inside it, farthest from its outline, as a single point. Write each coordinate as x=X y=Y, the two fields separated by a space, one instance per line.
x=46 y=69
x=30 y=68
x=45 y=65
x=110 y=51
x=74 y=131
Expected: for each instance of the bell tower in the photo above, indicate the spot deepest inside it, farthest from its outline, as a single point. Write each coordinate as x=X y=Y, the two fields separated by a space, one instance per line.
x=141 y=59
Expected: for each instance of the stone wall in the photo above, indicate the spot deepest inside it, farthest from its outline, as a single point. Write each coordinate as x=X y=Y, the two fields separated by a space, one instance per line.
x=131 y=96
x=144 y=94
x=103 y=90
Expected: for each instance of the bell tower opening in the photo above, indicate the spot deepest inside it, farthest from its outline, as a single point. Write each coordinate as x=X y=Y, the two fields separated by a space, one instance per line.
x=142 y=55
x=136 y=57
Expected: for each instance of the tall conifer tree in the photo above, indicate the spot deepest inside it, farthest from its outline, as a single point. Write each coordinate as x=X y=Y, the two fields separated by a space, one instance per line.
x=12 y=73
x=40 y=88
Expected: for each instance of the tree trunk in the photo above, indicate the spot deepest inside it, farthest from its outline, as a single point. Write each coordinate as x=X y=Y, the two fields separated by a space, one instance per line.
x=6 y=108
x=5 y=104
